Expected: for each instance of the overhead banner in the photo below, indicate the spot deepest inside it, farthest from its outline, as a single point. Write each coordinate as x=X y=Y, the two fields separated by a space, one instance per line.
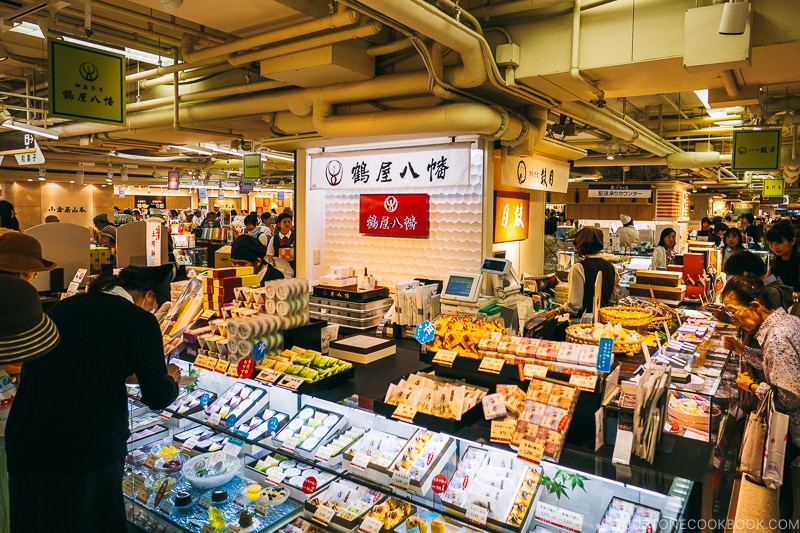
x=86 y=84
x=402 y=215
x=511 y=212
x=251 y=163
x=441 y=165
x=756 y=150
x=535 y=172
x=33 y=158
x=147 y=202
x=773 y=187
x=619 y=190
x=173 y=180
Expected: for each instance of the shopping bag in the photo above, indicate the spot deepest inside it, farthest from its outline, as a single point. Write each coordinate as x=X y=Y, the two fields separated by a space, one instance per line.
x=751 y=455
x=774 y=455
x=7 y=392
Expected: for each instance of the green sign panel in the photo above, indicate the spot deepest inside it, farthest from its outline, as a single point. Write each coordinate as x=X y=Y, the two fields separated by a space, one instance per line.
x=251 y=163
x=86 y=84
x=772 y=187
x=756 y=150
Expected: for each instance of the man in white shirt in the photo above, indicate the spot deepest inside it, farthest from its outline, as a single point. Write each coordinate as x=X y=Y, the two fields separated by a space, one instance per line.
x=628 y=234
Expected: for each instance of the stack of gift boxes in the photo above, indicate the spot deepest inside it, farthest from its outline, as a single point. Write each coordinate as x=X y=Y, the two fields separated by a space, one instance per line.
x=219 y=285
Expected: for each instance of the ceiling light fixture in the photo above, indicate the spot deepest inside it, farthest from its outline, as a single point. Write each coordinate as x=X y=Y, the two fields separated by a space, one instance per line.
x=42 y=174
x=610 y=153
x=27 y=128
x=191 y=149
x=130 y=53
x=272 y=155
x=734 y=17
x=704 y=187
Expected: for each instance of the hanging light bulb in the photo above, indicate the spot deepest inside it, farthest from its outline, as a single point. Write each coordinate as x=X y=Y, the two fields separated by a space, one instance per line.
x=42 y=174
x=610 y=153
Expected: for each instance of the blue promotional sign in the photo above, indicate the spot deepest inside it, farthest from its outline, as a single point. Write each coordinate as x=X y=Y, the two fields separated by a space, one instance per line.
x=272 y=424
x=281 y=195
x=604 y=354
x=259 y=351
x=236 y=440
x=424 y=332
x=230 y=421
x=204 y=399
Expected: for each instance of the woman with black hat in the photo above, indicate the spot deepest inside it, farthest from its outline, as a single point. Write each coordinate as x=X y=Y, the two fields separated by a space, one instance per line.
x=90 y=368
x=248 y=251
x=582 y=275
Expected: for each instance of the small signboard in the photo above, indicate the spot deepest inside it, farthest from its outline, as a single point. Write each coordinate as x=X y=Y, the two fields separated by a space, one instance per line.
x=756 y=150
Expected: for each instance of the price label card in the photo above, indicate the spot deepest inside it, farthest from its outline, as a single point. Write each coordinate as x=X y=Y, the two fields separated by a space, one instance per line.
x=400 y=480
x=290 y=443
x=166 y=506
x=233 y=528
x=208 y=528
x=221 y=366
x=276 y=476
x=405 y=412
x=205 y=500
x=291 y=382
x=530 y=451
x=309 y=485
x=324 y=453
x=142 y=496
x=269 y=376
x=502 y=431
x=150 y=462
x=604 y=354
x=492 y=365
x=445 y=357
x=204 y=361
x=261 y=507
x=587 y=383
x=241 y=499
x=190 y=443
x=360 y=461
x=370 y=525
x=215 y=419
x=132 y=483
x=323 y=515
x=166 y=415
x=529 y=371
x=232 y=448
x=558 y=517
x=477 y=514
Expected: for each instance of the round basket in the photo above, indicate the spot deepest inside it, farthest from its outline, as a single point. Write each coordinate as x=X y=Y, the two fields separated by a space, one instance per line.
x=627 y=316
x=625 y=348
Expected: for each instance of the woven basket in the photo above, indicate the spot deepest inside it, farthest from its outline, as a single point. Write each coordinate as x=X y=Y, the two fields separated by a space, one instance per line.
x=619 y=347
x=626 y=316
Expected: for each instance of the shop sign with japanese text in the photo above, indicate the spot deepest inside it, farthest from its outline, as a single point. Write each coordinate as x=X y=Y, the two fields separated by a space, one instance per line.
x=17 y=142
x=619 y=191
x=86 y=84
x=535 y=172
x=69 y=202
x=756 y=150
x=31 y=158
x=153 y=243
x=511 y=212
x=147 y=202
x=402 y=215
x=772 y=187
x=441 y=165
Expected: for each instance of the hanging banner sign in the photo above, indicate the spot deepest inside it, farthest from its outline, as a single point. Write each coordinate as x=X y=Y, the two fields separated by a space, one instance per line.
x=441 y=165
x=246 y=186
x=251 y=163
x=620 y=191
x=511 y=212
x=34 y=158
x=86 y=84
x=756 y=150
x=17 y=142
x=201 y=193
x=173 y=180
x=121 y=192
x=535 y=172
x=773 y=187
x=146 y=202
x=403 y=215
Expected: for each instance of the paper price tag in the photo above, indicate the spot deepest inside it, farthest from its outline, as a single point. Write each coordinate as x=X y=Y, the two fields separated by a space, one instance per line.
x=166 y=415
x=150 y=462
x=530 y=451
x=502 y=431
x=405 y=412
x=370 y=525
x=261 y=507
x=324 y=453
x=529 y=371
x=400 y=480
x=215 y=419
x=289 y=444
x=360 y=461
x=269 y=376
x=142 y=496
x=208 y=528
x=232 y=448
x=477 y=514
x=276 y=477
x=445 y=357
x=587 y=383
x=204 y=361
x=323 y=515
x=132 y=483
x=233 y=528
x=221 y=366
x=166 y=506
x=190 y=443
x=558 y=517
x=491 y=365
x=241 y=499
x=291 y=382
x=205 y=500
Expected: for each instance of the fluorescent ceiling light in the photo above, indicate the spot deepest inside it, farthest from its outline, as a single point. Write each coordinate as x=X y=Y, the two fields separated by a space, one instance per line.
x=191 y=149
x=130 y=53
x=273 y=155
x=27 y=128
x=27 y=28
x=225 y=151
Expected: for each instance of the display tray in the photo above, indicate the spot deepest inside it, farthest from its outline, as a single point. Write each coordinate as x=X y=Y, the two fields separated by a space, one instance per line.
x=359 y=307
x=362 y=349
x=299 y=478
x=434 y=423
x=327 y=383
x=625 y=515
x=354 y=323
x=350 y=294
x=355 y=500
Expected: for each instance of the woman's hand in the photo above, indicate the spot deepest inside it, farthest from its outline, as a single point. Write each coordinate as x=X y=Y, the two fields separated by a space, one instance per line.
x=744 y=381
x=174 y=372
x=731 y=343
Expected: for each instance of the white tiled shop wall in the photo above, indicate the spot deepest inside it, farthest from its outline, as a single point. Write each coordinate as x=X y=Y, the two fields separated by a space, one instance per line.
x=453 y=242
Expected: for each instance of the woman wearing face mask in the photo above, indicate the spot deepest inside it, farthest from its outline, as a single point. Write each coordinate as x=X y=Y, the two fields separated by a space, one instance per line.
x=90 y=366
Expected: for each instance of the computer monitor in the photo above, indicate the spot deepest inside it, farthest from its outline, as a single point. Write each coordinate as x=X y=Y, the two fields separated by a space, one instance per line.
x=462 y=286
x=495 y=265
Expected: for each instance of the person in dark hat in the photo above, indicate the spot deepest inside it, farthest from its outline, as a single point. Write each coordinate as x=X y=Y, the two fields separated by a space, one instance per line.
x=582 y=275
x=93 y=368
x=282 y=244
x=21 y=256
x=248 y=251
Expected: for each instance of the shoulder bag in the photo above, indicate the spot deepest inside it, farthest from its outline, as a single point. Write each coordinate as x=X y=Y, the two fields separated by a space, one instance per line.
x=751 y=454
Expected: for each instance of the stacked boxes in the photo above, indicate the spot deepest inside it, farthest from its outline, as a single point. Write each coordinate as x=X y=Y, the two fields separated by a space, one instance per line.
x=98 y=257
x=219 y=285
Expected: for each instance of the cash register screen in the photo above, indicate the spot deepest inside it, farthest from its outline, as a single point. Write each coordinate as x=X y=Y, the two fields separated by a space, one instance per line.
x=462 y=286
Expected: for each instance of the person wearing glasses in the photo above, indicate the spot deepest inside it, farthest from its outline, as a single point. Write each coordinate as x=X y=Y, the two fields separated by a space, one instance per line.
x=746 y=302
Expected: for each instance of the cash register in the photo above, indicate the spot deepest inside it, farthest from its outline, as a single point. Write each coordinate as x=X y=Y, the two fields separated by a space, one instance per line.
x=461 y=294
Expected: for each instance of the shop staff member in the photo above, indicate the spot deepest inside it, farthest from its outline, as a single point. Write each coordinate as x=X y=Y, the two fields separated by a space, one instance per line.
x=628 y=234
x=248 y=251
x=582 y=275
x=74 y=398
x=282 y=243
x=664 y=252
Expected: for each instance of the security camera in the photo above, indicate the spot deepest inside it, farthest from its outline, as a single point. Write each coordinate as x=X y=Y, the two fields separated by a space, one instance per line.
x=88 y=31
x=600 y=103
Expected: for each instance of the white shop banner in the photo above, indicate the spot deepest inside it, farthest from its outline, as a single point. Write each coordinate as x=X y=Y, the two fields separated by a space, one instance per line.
x=535 y=172
x=440 y=165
